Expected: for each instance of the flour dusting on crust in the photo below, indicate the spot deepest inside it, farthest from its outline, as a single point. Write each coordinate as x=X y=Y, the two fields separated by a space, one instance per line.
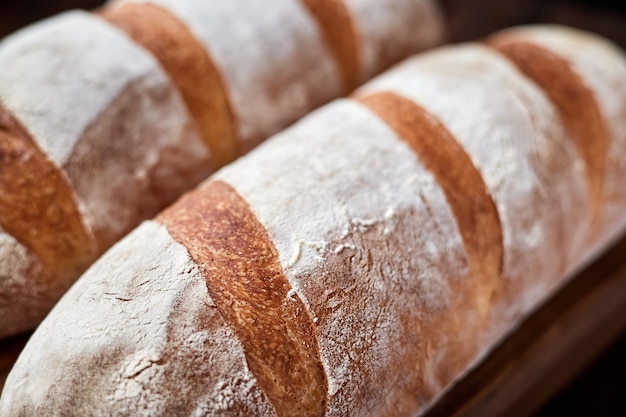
x=391 y=30
x=602 y=67
x=513 y=135
x=102 y=109
x=27 y=287
x=271 y=55
x=132 y=334
x=376 y=249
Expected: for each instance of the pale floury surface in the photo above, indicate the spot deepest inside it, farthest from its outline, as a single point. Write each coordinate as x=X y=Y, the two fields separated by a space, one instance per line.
x=602 y=67
x=275 y=59
x=161 y=332
x=511 y=132
x=129 y=151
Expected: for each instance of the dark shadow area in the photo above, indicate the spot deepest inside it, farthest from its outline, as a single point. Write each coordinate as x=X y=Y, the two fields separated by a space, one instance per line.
x=600 y=390
x=475 y=19
x=16 y=14
x=9 y=351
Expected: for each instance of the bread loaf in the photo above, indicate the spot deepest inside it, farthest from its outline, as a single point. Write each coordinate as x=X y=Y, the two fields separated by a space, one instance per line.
x=358 y=263
x=104 y=120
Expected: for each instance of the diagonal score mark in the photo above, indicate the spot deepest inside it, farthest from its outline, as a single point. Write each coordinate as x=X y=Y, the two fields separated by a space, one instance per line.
x=38 y=206
x=463 y=185
x=576 y=104
x=190 y=67
x=341 y=37
x=246 y=281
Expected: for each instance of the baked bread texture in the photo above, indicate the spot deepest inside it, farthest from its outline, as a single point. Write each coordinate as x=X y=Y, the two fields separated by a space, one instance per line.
x=94 y=139
x=277 y=59
x=358 y=263
x=584 y=76
x=106 y=119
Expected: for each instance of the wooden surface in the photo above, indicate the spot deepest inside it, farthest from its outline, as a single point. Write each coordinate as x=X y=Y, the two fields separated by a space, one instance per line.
x=550 y=347
x=597 y=391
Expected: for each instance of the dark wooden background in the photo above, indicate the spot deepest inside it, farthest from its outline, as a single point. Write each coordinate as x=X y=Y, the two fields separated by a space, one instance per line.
x=600 y=389
x=467 y=19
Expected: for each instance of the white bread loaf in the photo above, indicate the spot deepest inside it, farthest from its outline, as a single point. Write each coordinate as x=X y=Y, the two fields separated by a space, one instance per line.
x=385 y=206
x=351 y=257
x=104 y=120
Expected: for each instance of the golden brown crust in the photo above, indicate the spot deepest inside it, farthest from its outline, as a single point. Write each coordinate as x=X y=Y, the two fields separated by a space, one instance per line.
x=575 y=101
x=189 y=66
x=341 y=37
x=37 y=203
x=245 y=279
x=462 y=183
